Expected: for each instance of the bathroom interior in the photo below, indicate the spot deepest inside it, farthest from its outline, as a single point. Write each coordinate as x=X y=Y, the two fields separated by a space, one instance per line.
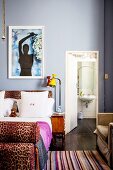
x=81 y=87
x=87 y=86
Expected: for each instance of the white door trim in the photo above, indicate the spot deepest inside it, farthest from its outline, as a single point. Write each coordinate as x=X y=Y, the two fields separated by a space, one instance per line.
x=70 y=53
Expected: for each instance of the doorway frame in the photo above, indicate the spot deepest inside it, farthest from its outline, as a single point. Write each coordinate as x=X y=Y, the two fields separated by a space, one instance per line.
x=68 y=53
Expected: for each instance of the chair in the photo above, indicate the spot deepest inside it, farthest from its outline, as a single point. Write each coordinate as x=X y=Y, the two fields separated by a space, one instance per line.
x=104 y=132
x=17 y=146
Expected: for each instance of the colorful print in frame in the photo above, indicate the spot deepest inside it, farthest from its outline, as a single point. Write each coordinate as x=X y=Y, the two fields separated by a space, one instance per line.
x=26 y=52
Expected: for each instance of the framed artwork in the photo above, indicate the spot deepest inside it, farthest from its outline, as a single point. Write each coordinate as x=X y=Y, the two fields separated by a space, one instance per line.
x=26 y=52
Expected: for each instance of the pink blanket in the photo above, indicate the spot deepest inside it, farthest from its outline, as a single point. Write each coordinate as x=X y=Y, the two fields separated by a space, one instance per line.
x=46 y=133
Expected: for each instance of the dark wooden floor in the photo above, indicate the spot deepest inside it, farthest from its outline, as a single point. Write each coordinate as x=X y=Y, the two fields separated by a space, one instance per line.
x=80 y=138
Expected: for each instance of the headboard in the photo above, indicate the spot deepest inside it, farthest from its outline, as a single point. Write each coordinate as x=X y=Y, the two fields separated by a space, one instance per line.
x=17 y=94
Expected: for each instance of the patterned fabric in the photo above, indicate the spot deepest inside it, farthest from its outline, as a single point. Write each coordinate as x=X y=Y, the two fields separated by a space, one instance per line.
x=23 y=132
x=75 y=160
x=19 y=156
x=17 y=94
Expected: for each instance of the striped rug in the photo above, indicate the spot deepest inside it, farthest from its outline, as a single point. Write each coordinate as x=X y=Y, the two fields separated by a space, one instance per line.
x=75 y=160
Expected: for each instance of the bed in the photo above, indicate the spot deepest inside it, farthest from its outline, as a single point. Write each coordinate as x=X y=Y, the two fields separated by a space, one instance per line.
x=44 y=123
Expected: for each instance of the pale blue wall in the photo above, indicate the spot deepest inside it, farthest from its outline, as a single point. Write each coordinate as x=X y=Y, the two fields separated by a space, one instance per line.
x=69 y=25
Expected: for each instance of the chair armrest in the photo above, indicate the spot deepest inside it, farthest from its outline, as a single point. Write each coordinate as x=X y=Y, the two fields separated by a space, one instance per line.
x=104 y=118
x=110 y=143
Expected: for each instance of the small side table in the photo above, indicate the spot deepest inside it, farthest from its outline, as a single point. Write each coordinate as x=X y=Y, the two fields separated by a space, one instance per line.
x=58 y=127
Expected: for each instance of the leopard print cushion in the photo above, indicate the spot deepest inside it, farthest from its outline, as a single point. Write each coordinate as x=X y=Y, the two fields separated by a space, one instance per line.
x=23 y=132
x=17 y=94
x=19 y=156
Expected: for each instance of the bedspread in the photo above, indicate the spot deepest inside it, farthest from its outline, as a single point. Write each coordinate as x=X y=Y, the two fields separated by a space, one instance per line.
x=46 y=133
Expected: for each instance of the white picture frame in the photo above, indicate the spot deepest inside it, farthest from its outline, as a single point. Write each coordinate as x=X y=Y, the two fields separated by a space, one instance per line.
x=26 y=52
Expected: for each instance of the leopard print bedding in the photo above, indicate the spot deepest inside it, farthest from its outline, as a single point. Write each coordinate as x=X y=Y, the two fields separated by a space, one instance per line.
x=17 y=156
x=23 y=132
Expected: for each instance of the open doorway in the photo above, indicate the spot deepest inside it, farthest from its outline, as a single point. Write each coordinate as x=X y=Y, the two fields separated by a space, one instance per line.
x=81 y=100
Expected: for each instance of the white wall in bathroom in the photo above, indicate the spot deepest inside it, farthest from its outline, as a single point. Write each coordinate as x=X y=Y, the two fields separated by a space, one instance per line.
x=87 y=77
x=87 y=84
x=90 y=111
